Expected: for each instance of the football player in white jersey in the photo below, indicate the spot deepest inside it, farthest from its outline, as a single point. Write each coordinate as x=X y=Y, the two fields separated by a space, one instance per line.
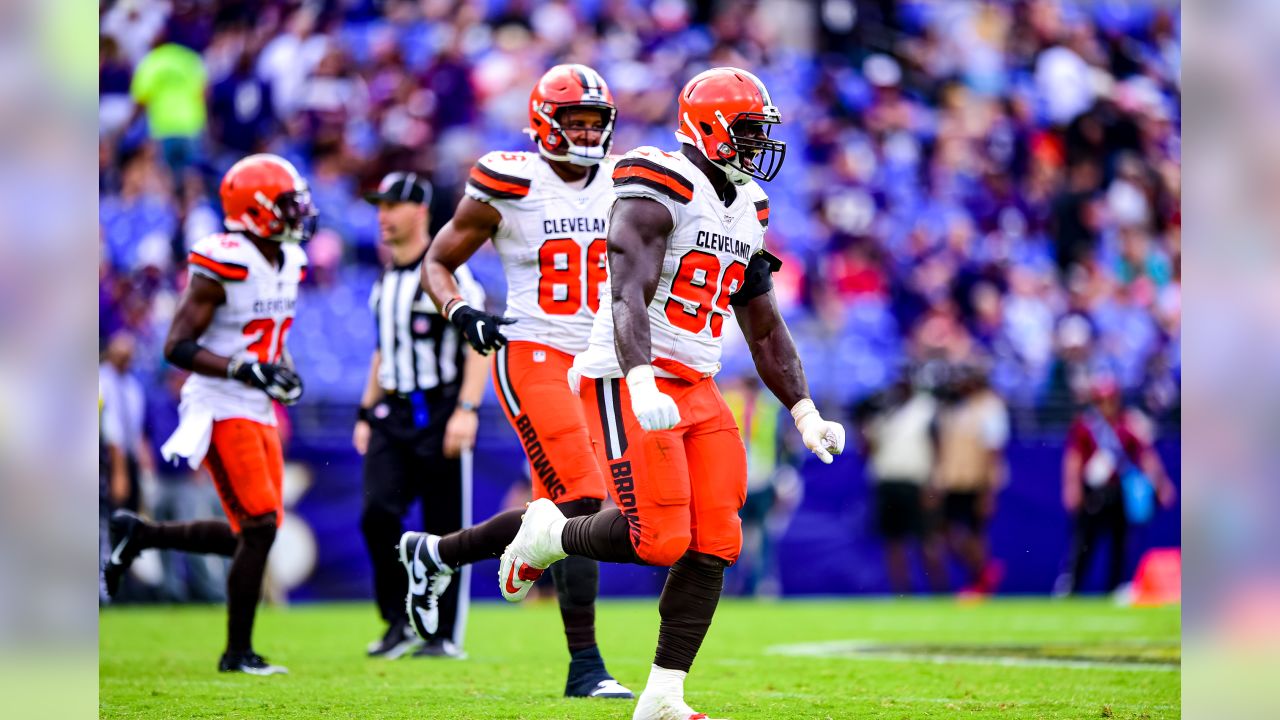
x=546 y=213
x=686 y=251
x=229 y=330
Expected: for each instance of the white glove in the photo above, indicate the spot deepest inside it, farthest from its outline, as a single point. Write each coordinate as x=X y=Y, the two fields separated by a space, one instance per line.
x=653 y=408
x=823 y=437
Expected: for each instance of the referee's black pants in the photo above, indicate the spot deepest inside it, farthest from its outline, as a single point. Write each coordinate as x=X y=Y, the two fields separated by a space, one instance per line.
x=405 y=462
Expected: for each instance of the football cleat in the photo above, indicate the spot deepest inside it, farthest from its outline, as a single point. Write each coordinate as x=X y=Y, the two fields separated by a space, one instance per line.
x=441 y=648
x=398 y=640
x=653 y=706
x=589 y=678
x=534 y=548
x=427 y=582
x=125 y=548
x=249 y=663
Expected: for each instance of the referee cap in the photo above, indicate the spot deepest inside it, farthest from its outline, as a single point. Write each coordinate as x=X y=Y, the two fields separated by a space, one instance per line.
x=401 y=187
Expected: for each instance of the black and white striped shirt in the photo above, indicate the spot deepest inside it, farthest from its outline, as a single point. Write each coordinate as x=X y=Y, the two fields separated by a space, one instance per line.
x=420 y=349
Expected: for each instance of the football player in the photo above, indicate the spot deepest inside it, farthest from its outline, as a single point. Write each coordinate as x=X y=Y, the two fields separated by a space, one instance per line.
x=686 y=252
x=229 y=331
x=546 y=213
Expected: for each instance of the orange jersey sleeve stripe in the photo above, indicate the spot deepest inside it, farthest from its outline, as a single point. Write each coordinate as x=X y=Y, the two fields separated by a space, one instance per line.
x=639 y=172
x=226 y=271
x=497 y=184
x=762 y=212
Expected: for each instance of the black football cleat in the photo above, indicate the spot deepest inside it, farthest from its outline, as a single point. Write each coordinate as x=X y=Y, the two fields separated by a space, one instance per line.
x=427 y=582
x=588 y=678
x=398 y=640
x=441 y=648
x=125 y=548
x=249 y=663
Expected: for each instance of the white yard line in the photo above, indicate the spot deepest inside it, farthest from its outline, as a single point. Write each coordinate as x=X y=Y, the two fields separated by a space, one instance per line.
x=855 y=650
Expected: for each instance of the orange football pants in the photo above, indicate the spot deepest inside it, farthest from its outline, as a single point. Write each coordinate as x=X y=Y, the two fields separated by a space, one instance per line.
x=247 y=466
x=680 y=489
x=532 y=384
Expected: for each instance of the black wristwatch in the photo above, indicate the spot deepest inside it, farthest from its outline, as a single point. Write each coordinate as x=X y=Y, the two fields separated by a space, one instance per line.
x=464 y=405
x=364 y=414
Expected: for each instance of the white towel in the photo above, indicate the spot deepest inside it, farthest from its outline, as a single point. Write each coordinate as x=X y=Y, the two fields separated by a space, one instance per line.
x=190 y=441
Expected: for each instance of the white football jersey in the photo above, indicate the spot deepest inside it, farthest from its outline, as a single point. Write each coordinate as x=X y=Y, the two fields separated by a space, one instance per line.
x=706 y=261
x=552 y=244
x=251 y=325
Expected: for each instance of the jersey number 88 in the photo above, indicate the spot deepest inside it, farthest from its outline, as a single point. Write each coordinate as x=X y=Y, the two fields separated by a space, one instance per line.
x=561 y=276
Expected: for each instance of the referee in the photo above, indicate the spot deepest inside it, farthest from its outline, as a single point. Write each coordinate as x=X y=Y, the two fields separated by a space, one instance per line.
x=417 y=419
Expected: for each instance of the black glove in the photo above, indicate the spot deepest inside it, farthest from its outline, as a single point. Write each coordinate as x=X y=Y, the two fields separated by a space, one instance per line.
x=276 y=380
x=480 y=328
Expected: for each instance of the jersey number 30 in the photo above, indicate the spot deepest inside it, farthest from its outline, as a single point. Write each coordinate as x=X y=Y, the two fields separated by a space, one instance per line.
x=561 y=276
x=268 y=345
x=702 y=290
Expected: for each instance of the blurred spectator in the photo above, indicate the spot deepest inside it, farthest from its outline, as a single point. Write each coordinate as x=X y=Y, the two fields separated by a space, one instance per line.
x=898 y=434
x=123 y=423
x=170 y=84
x=1102 y=446
x=773 y=485
x=242 y=115
x=960 y=175
x=973 y=429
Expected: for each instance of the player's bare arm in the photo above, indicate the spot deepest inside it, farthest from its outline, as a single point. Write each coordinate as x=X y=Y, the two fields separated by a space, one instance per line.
x=182 y=349
x=772 y=349
x=194 y=314
x=776 y=359
x=638 y=231
x=472 y=225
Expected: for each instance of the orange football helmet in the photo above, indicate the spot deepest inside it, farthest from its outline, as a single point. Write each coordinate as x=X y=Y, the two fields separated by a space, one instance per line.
x=713 y=104
x=562 y=87
x=263 y=195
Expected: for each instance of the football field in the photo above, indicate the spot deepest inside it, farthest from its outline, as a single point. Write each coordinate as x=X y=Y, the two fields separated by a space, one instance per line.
x=1017 y=658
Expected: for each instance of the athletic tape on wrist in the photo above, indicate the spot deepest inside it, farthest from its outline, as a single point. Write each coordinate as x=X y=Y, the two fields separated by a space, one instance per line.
x=640 y=377
x=801 y=411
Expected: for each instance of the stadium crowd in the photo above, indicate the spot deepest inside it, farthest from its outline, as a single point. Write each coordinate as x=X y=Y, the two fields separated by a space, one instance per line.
x=993 y=182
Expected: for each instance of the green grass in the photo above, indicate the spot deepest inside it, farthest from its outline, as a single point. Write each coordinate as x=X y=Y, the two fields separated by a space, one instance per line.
x=160 y=663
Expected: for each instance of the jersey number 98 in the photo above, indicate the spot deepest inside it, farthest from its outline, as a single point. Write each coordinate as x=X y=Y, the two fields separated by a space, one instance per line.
x=700 y=289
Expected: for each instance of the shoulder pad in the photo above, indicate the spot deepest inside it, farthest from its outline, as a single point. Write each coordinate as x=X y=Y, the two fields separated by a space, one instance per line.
x=502 y=176
x=648 y=171
x=222 y=257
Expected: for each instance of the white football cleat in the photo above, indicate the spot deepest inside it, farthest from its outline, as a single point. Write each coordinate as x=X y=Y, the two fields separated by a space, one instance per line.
x=532 y=551
x=662 y=706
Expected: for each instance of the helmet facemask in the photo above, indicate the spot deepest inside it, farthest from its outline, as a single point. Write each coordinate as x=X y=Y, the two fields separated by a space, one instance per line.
x=747 y=155
x=562 y=149
x=298 y=215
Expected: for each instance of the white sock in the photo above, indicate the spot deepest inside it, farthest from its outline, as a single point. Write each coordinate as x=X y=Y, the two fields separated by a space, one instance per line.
x=433 y=550
x=665 y=682
x=556 y=532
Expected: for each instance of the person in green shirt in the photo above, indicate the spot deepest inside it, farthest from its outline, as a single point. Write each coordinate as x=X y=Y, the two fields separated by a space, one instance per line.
x=169 y=84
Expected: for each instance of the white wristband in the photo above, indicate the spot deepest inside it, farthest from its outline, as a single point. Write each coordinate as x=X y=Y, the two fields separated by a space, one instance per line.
x=802 y=411
x=451 y=308
x=640 y=378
